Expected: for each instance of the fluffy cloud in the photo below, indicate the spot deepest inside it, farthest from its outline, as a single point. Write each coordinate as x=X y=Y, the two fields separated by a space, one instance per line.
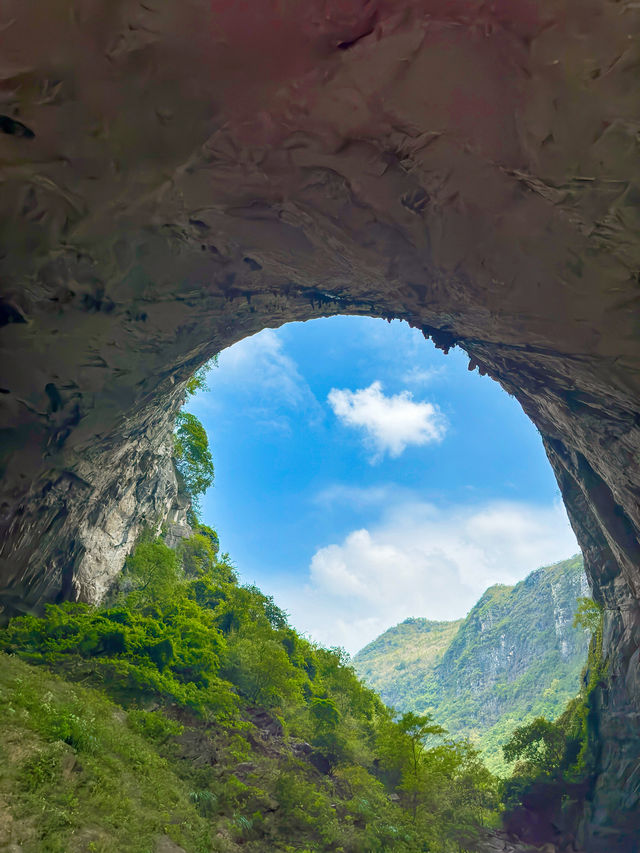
x=390 y=424
x=421 y=560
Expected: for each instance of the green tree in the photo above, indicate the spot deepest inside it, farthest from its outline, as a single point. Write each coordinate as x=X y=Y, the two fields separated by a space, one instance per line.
x=325 y=713
x=405 y=753
x=192 y=457
x=588 y=615
x=260 y=668
x=151 y=573
x=212 y=536
x=540 y=746
x=198 y=381
x=198 y=555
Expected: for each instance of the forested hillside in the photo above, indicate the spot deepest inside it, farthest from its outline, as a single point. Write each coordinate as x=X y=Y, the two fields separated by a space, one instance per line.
x=399 y=663
x=514 y=657
x=187 y=715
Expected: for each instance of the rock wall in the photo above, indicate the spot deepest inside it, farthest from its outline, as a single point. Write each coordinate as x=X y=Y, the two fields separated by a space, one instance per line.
x=178 y=175
x=84 y=521
x=506 y=635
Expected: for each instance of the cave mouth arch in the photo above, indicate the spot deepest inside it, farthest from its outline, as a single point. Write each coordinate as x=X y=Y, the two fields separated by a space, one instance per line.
x=192 y=176
x=99 y=466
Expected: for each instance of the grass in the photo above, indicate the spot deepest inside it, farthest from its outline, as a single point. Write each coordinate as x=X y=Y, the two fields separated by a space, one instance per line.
x=76 y=774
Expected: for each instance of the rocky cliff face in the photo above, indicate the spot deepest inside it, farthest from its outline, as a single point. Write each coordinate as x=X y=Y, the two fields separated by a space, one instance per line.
x=91 y=520
x=176 y=176
x=512 y=630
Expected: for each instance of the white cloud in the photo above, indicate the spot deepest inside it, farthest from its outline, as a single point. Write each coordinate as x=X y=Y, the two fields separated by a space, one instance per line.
x=263 y=379
x=422 y=375
x=421 y=560
x=359 y=497
x=390 y=424
x=262 y=362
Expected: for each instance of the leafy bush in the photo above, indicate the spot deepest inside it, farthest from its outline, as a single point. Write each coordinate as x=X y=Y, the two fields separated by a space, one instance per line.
x=153 y=725
x=155 y=640
x=260 y=668
x=199 y=553
x=588 y=615
x=540 y=746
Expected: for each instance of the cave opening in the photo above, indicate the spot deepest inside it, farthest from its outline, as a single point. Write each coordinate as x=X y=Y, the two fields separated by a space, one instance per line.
x=469 y=168
x=325 y=434
x=83 y=479
x=376 y=487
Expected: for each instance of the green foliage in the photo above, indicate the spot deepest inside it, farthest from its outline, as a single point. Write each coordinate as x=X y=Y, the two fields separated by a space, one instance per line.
x=153 y=725
x=539 y=746
x=199 y=554
x=325 y=713
x=259 y=666
x=198 y=381
x=205 y=802
x=557 y=757
x=151 y=573
x=588 y=615
x=192 y=457
x=398 y=663
x=444 y=786
x=211 y=535
x=260 y=739
x=155 y=640
x=191 y=454
x=75 y=777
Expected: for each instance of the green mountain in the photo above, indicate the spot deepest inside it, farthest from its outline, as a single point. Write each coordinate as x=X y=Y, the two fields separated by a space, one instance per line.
x=399 y=663
x=514 y=657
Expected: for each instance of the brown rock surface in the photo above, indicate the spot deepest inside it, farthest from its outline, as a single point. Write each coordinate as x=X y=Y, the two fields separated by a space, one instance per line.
x=176 y=175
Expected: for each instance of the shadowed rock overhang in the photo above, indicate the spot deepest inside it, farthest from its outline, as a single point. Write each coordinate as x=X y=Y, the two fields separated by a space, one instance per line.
x=177 y=175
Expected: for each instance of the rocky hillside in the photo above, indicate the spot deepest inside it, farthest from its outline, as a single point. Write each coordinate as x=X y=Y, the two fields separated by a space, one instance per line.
x=515 y=656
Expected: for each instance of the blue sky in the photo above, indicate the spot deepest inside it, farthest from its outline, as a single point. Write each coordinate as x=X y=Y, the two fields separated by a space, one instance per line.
x=363 y=477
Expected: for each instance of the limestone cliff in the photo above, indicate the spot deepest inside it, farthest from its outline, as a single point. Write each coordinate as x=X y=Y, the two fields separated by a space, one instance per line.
x=104 y=516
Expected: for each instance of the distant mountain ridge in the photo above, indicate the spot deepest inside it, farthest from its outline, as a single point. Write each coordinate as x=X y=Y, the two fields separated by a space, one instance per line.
x=515 y=656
